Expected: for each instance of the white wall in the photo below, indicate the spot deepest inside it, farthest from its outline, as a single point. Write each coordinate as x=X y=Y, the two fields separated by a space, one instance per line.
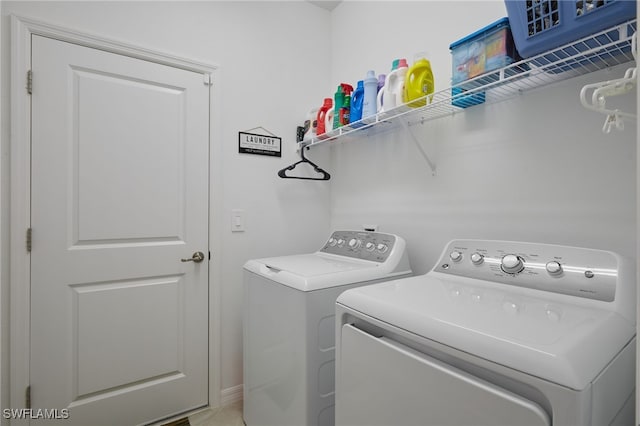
x=535 y=168
x=371 y=34
x=269 y=75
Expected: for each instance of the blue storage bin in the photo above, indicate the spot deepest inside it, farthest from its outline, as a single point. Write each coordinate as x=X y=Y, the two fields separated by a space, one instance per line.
x=462 y=100
x=477 y=54
x=542 y=25
x=485 y=50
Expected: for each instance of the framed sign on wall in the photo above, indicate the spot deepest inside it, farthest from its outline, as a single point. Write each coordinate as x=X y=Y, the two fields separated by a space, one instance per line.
x=254 y=143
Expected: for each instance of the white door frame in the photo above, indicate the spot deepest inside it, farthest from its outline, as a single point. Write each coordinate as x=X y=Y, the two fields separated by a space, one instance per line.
x=22 y=29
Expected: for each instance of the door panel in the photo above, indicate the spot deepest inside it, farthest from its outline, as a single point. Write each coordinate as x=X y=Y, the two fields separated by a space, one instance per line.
x=119 y=325
x=102 y=340
x=424 y=391
x=111 y=141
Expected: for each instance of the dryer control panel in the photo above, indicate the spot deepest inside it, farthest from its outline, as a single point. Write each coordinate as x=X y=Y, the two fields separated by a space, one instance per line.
x=588 y=273
x=374 y=246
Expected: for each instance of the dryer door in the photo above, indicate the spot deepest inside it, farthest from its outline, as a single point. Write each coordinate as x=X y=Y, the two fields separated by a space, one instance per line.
x=382 y=382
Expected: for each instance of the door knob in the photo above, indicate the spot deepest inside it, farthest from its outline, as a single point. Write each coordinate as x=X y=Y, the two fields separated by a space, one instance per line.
x=197 y=257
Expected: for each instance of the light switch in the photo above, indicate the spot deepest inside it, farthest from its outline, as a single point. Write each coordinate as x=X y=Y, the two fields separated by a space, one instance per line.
x=237 y=220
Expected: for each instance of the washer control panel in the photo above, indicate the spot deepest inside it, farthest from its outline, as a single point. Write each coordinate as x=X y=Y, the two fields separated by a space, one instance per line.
x=587 y=273
x=375 y=246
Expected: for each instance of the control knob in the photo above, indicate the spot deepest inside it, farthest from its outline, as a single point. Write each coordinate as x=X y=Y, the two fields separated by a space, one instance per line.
x=354 y=243
x=382 y=248
x=332 y=242
x=477 y=258
x=456 y=256
x=512 y=264
x=340 y=242
x=370 y=246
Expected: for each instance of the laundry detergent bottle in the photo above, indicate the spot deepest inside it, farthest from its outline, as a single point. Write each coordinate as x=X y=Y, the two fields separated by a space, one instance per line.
x=345 y=109
x=328 y=120
x=369 y=92
x=311 y=124
x=394 y=86
x=418 y=83
x=322 y=116
x=357 y=102
x=382 y=90
x=337 y=104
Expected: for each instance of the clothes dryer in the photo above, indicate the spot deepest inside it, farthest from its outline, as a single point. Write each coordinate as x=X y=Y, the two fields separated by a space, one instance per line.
x=289 y=324
x=498 y=333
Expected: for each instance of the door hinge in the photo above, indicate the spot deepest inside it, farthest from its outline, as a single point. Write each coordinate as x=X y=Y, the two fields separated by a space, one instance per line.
x=27 y=395
x=29 y=233
x=29 y=82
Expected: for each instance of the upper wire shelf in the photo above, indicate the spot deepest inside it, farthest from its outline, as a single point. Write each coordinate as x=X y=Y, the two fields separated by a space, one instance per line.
x=598 y=51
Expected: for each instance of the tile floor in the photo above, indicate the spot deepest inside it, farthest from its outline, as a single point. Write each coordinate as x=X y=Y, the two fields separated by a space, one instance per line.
x=229 y=415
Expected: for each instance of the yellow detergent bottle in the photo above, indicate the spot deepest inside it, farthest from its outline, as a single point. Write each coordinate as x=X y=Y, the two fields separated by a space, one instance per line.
x=418 y=83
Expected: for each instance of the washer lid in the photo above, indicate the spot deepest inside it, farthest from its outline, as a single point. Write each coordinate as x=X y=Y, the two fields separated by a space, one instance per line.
x=312 y=265
x=307 y=272
x=519 y=328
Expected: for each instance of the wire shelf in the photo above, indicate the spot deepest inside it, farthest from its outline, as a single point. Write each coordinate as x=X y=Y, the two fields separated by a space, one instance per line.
x=601 y=50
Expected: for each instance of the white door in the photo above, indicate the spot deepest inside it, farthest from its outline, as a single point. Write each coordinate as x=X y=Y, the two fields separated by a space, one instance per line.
x=120 y=173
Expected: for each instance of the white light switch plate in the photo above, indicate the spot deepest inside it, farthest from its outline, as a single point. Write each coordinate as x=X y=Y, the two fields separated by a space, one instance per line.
x=237 y=220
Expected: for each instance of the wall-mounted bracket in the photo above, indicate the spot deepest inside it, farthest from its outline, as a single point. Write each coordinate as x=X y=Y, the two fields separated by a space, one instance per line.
x=427 y=158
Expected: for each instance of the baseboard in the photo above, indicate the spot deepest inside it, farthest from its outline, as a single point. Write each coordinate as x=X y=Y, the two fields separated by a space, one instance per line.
x=231 y=395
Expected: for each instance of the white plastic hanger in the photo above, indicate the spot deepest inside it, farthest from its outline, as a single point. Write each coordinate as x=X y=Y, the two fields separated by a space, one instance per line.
x=600 y=91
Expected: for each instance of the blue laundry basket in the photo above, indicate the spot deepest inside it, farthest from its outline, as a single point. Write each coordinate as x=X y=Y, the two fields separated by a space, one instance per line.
x=542 y=25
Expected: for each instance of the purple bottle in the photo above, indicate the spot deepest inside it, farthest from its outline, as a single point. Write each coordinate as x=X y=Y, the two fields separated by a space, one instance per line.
x=381 y=79
x=380 y=93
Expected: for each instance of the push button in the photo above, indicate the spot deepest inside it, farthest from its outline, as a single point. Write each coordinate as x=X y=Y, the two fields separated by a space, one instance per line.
x=553 y=268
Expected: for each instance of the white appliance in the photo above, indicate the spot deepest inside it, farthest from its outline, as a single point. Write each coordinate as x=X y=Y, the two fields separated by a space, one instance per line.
x=289 y=324
x=498 y=333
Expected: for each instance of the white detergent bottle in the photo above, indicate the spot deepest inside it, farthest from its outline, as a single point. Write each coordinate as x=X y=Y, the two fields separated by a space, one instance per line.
x=394 y=86
x=380 y=96
x=370 y=93
x=328 y=120
x=311 y=124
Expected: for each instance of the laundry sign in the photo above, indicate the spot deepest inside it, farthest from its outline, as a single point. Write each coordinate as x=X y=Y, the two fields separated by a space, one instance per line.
x=253 y=143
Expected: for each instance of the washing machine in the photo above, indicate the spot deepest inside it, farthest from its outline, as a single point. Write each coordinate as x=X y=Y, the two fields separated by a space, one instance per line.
x=289 y=324
x=497 y=333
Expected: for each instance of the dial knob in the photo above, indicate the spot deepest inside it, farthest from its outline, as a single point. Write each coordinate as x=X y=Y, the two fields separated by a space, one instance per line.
x=370 y=246
x=382 y=248
x=477 y=258
x=354 y=243
x=456 y=256
x=340 y=242
x=554 y=268
x=332 y=242
x=512 y=264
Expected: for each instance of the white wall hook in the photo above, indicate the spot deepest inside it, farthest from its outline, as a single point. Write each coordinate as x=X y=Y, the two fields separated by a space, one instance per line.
x=600 y=91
